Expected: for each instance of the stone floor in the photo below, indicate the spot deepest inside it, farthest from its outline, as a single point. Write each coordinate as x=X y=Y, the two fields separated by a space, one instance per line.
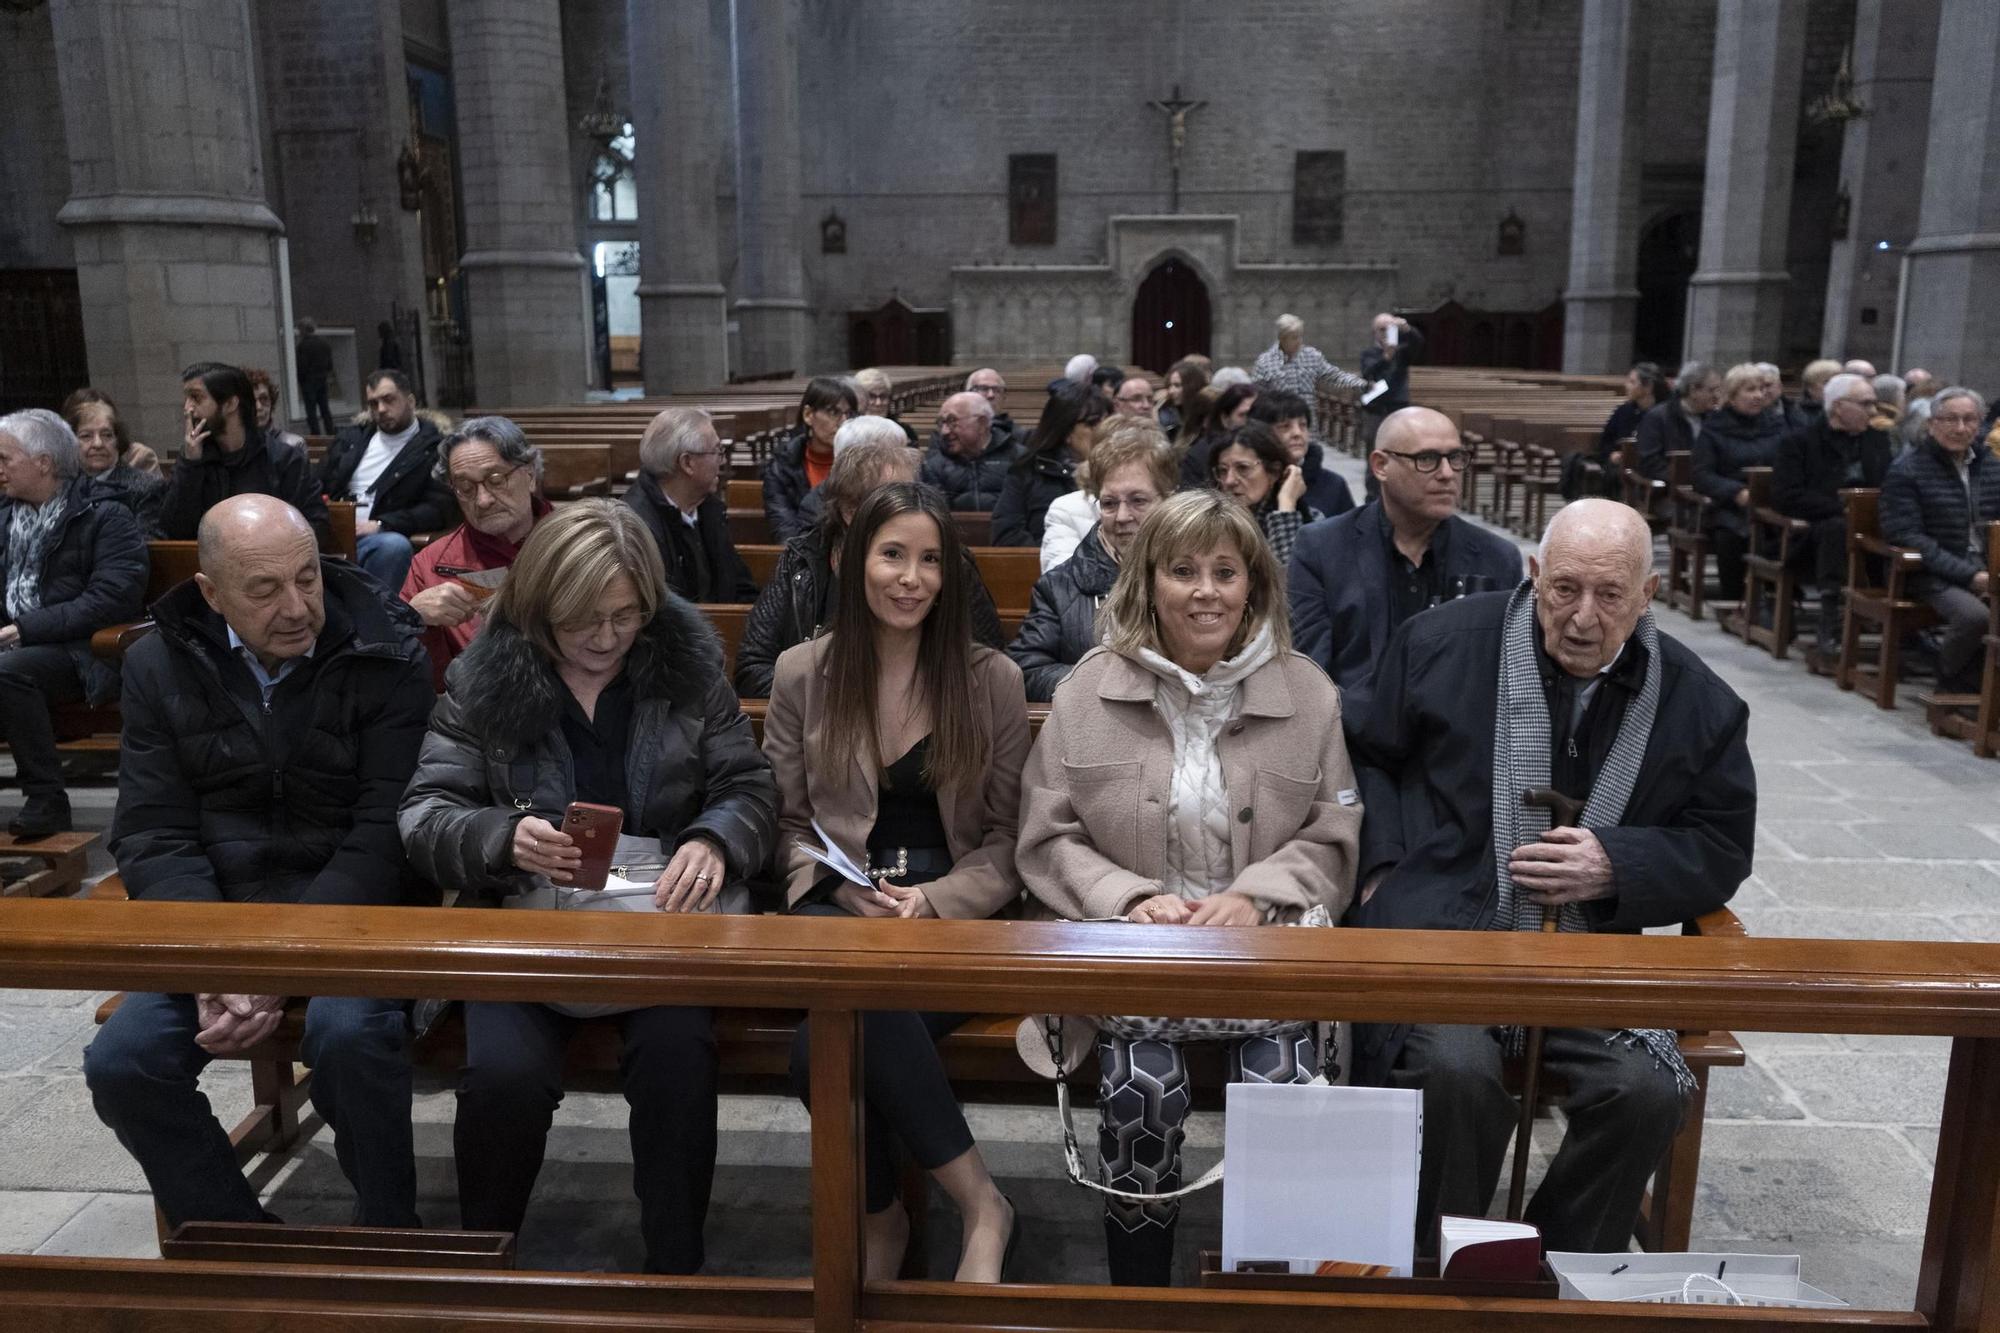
x=1822 y=1146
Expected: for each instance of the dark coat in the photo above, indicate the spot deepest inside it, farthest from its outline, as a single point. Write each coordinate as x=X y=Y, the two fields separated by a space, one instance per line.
x=261 y=467
x=1194 y=463
x=407 y=497
x=495 y=754
x=1663 y=430
x=1032 y=486
x=727 y=577
x=971 y=485
x=786 y=487
x=221 y=798
x=1061 y=624
x=1624 y=420
x=1816 y=462
x=93 y=576
x=1423 y=754
x=1392 y=365
x=1730 y=442
x=798 y=601
x=1924 y=507
x=1338 y=589
x=141 y=492
x=1327 y=492
x=315 y=360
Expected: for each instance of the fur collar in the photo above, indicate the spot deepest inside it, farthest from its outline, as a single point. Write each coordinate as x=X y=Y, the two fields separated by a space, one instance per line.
x=507 y=689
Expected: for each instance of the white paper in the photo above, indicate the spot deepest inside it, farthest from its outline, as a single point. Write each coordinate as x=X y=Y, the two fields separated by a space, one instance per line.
x=1321 y=1173
x=1459 y=1232
x=1391 y=336
x=1375 y=390
x=830 y=856
x=1662 y=1279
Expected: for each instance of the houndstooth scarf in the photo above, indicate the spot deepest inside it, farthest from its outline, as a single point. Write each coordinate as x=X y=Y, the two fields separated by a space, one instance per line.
x=28 y=541
x=1521 y=761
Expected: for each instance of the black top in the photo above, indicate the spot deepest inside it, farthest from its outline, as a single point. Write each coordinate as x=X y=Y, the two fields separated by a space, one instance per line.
x=1412 y=588
x=906 y=808
x=597 y=746
x=1579 y=744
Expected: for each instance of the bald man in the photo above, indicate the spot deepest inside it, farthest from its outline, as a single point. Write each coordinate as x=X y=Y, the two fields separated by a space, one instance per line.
x=1562 y=683
x=1358 y=576
x=272 y=720
x=970 y=453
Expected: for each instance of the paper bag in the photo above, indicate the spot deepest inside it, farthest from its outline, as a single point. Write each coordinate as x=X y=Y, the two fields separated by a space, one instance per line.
x=1688 y=1279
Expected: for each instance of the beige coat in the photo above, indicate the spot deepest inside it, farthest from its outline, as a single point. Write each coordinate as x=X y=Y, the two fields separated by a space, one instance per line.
x=978 y=814
x=1094 y=819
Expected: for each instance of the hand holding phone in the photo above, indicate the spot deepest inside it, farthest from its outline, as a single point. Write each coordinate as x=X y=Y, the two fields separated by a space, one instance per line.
x=594 y=831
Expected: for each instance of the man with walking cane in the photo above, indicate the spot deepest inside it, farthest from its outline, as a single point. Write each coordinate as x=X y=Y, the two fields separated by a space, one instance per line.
x=1546 y=758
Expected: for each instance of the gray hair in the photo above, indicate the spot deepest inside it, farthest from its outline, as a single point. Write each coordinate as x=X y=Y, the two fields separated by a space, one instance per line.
x=1766 y=368
x=1291 y=324
x=1080 y=368
x=1693 y=374
x=672 y=433
x=866 y=429
x=1938 y=400
x=983 y=370
x=1227 y=376
x=507 y=439
x=1843 y=385
x=874 y=381
x=43 y=433
x=1889 y=387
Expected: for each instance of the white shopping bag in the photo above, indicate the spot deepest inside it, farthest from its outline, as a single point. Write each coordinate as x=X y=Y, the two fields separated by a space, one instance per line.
x=1321 y=1173
x=1688 y=1279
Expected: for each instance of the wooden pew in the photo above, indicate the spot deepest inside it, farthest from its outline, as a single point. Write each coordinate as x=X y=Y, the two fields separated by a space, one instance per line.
x=1947 y=713
x=81 y=729
x=1769 y=583
x=1882 y=987
x=1883 y=605
x=1687 y=537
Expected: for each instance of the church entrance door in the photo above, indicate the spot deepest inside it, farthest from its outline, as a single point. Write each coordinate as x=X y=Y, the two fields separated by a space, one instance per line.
x=1170 y=317
x=1667 y=250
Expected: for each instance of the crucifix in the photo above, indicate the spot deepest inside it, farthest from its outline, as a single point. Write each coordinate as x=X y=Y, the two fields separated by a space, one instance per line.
x=1177 y=110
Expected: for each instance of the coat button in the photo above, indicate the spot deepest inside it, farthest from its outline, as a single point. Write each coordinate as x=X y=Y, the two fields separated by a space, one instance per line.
x=1243 y=815
x=1236 y=727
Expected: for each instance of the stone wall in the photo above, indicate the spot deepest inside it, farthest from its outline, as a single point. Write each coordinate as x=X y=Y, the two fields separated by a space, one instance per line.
x=34 y=170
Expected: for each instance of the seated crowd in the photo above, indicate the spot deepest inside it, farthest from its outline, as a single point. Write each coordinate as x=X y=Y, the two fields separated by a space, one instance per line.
x=1320 y=713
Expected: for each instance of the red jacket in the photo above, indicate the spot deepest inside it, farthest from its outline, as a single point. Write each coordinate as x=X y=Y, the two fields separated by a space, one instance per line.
x=462 y=550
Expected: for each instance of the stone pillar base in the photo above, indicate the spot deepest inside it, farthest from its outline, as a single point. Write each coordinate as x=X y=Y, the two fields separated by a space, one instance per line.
x=1735 y=317
x=526 y=311
x=684 y=331
x=771 y=337
x=1952 y=326
x=1597 y=332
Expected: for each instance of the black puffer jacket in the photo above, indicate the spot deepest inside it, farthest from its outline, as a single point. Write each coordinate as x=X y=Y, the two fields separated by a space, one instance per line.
x=1924 y=506
x=221 y=797
x=799 y=600
x=94 y=575
x=1032 y=486
x=1730 y=442
x=786 y=487
x=496 y=753
x=1062 y=618
x=971 y=485
x=263 y=466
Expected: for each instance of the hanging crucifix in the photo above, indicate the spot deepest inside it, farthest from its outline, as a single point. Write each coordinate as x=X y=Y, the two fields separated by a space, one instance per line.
x=1177 y=110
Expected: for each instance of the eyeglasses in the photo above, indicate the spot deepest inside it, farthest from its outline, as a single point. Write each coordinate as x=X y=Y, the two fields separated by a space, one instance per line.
x=623 y=622
x=1237 y=471
x=990 y=390
x=1959 y=422
x=492 y=481
x=1138 y=504
x=837 y=413
x=947 y=422
x=1136 y=399
x=1429 y=460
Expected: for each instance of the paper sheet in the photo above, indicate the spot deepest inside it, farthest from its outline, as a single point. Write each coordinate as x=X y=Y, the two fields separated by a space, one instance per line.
x=1375 y=390
x=834 y=859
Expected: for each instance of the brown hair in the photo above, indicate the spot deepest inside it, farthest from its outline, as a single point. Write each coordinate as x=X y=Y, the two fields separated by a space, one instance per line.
x=568 y=561
x=857 y=470
x=73 y=406
x=1123 y=441
x=1194 y=523
x=848 y=722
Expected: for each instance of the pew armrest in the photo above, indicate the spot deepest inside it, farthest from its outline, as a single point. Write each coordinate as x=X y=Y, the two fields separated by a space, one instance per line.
x=113 y=641
x=1720 y=923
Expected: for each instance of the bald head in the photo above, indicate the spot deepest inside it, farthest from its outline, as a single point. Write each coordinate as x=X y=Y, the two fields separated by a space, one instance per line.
x=1417 y=461
x=1593 y=579
x=965 y=421
x=260 y=572
x=1410 y=428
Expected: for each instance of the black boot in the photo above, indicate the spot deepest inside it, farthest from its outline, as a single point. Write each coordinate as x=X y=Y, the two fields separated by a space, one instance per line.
x=41 y=816
x=1142 y=1258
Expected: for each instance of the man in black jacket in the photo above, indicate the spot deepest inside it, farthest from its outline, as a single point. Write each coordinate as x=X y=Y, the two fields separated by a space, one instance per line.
x=969 y=454
x=991 y=385
x=388 y=468
x=1565 y=684
x=680 y=464
x=1935 y=500
x=271 y=722
x=1672 y=426
x=315 y=367
x=224 y=454
x=1835 y=449
x=72 y=561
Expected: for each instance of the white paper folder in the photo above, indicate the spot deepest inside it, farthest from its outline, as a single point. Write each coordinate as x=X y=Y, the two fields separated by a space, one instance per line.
x=1321 y=1173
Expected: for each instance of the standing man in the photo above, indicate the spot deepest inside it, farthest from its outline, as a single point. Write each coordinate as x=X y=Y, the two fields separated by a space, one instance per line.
x=315 y=367
x=969 y=453
x=223 y=453
x=1357 y=577
x=680 y=467
x=1935 y=500
x=1290 y=365
x=1835 y=449
x=989 y=384
x=272 y=720
x=1387 y=358
x=387 y=468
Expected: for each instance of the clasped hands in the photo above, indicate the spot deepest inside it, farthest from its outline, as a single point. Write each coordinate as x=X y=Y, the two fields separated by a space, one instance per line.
x=232 y=1024
x=1218 y=909
x=690 y=882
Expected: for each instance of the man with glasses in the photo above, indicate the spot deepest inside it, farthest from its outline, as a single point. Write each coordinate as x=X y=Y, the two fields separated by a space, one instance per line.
x=495 y=474
x=1356 y=577
x=1835 y=449
x=1936 y=500
x=969 y=454
x=1134 y=398
x=989 y=384
x=386 y=468
x=1674 y=426
x=680 y=470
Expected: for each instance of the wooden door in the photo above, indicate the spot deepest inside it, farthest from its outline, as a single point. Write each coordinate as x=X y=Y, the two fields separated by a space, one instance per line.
x=1170 y=316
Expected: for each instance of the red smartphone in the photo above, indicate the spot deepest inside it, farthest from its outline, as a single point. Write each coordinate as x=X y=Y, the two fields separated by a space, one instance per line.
x=595 y=829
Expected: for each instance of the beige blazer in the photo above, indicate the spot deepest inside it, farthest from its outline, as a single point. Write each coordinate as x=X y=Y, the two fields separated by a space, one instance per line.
x=978 y=814
x=1094 y=817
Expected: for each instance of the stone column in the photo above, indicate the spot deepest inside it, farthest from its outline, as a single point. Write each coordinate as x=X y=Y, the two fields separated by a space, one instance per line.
x=684 y=334
x=1604 y=198
x=175 y=247
x=1736 y=299
x=525 y=277
x=770 y=281
x=1951 y=325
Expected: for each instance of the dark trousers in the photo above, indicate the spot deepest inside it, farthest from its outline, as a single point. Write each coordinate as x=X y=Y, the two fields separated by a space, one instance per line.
x=31 y=679
x=1729 y=546
x=1964 y=614
x=1623 y=1112
x=507 y=1098
x=909 y=1099
x=142 y=1071
x=1824 y=554
x=319 y=412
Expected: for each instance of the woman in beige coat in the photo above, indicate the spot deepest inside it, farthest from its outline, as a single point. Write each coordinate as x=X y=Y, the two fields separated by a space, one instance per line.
x=903 y=739
x=1191 y=772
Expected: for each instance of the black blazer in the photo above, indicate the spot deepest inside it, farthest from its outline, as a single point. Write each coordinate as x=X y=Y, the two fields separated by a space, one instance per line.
x=407 y=497
x=1664 y=429
x=1813 y=465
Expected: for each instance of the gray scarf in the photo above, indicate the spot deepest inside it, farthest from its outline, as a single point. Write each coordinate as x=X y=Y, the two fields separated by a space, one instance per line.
x=28 y=540
x=1521 y=761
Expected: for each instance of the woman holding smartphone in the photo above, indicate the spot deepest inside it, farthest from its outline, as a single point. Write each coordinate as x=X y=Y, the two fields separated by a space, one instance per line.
x=903 y=740
x=590 y=682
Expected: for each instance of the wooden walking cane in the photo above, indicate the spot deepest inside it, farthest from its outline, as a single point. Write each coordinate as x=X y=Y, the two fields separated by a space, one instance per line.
x=1563 y=813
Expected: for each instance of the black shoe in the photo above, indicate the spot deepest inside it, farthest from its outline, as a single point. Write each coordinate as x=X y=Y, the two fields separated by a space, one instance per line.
x=39 y=818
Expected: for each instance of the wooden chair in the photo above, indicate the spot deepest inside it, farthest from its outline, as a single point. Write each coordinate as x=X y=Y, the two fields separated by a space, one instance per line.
x=1646 y=494
x=1886 y=606
x=1769 y=582
x=1687 y=537
x=1947 y=713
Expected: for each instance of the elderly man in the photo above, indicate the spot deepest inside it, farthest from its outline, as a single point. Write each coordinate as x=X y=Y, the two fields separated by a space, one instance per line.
x=72 y=561
x=495 y=474
x=1563 y=683
x=271 y=722
x=1812 y=388
x=1290 y=419
x=1838 y=448
x=680 y=470
x=223 y=453
x=1077 y=370
x=1673 y=426
x=1859 y=367
x=1134 y=397
x=991 y=385
x=1387 y=359
x=969 y=454
x=388 y=469
x=1934 y=500
x=1357 y=577
x=1290 y=365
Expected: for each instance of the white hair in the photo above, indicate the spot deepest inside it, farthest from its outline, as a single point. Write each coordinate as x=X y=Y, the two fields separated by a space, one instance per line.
x=1229 y=375
x=1766 y=368
x=669 y=435
x=972 y=400
x=1938 y=400
x=1080 y=368
x=1891 y=389
x=41 y=432
x=868 y=430
x=1290 y=324
x=984 y=370
x=874 y=381
x=1843 y=385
